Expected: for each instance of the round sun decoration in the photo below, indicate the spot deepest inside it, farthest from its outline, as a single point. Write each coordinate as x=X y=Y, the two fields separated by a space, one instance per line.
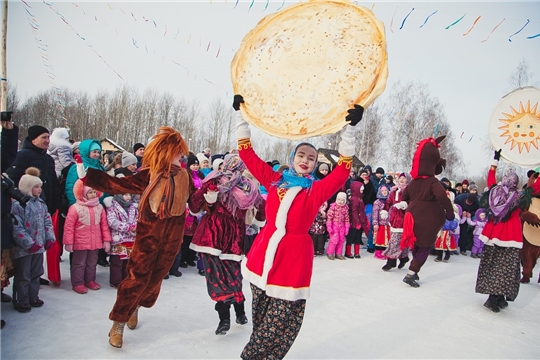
x=515 y=127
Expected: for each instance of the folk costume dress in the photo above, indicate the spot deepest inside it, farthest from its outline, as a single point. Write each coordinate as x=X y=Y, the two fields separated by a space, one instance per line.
x=499 y=269
x=280 y=263
x=381 y=219
x=219 y=237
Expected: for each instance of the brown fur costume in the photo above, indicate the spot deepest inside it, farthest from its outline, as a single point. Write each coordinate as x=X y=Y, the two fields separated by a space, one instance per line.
x=531 y=249
x=428 y=203
x=160 y=226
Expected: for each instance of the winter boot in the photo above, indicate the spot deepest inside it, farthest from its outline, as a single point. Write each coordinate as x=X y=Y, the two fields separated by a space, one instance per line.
x=241 y=317
x=402 y=262
x=340 y=257
x=491 y=303
x=134 y=319
x=348 y=254
x=330 y=257
x=357 y=251
x=378 y=255
x=224 y=318
x=116 y=334
x=411 y=280
x=390 y=264
x=526 y=280
x=439 y=256
x=501 y=302
x=446 y=256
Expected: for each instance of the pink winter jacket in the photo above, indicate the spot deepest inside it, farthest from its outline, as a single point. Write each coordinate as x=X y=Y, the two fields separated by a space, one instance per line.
x=86 y=227
x=337 y=219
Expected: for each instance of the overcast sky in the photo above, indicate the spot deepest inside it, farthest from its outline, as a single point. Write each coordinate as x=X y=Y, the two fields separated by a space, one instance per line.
x=186 y=48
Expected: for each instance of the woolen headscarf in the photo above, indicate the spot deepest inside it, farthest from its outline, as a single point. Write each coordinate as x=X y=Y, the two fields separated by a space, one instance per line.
x=504 y=197
x=291 y=178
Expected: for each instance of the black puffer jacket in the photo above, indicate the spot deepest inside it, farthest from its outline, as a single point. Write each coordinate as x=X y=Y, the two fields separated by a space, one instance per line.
x=31 y=155
x=9 y=152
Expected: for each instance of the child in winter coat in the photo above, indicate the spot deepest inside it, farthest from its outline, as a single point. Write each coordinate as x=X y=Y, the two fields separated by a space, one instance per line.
x=446 y=241
x=479 y=222
x=381 y=222
x=122 y=214
x=337 y=224
x=33 y=233
x=359 y=221
x=60 y=149
x=318 y=230
x=85 y=232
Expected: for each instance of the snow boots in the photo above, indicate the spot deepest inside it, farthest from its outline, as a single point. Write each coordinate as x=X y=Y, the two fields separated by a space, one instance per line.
x=134 y=319
x=225 y=316
x=402 y=262
x=379 y=255
x=116 y=335
x=446 y=256
x=411 y=280
x=348 y=254
x=501 y=302
x=390 y=264
x=357 y=251
x=491 y=303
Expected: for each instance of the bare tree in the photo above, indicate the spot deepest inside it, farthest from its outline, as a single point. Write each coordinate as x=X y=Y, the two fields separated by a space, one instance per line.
x=521 y=77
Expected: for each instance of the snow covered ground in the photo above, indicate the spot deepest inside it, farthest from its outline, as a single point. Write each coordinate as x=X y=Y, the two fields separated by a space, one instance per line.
x=355 y=311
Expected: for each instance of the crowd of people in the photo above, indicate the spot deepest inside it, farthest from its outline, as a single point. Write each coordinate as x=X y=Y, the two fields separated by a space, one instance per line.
x=106 y=211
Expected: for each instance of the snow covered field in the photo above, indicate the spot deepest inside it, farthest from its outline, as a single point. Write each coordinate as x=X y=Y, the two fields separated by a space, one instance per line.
x=355 y=311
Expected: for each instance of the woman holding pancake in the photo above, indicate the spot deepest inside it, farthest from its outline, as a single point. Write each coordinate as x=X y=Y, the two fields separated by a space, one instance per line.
x=280 y=262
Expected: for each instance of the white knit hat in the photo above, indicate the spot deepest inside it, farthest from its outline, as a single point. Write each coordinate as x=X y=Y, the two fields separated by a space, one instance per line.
x=201 y=157
x=29 y=180
x=342 y=196
x=128 y=159
x=216 y=163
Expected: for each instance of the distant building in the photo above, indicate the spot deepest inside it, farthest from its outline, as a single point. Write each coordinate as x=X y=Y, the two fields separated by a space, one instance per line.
x=110 y=146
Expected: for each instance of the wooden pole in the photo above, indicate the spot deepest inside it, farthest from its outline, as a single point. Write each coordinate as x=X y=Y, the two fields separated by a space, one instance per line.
x=3 y=104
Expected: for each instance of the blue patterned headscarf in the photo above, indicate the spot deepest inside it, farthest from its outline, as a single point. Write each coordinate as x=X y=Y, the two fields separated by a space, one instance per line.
x=291 y=178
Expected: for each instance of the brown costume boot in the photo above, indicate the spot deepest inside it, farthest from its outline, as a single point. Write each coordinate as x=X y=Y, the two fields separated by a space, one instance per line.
x=134 y=319
x=116 y=335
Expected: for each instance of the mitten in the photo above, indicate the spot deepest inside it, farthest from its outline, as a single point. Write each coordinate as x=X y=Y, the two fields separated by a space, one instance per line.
x=404 y=205
x=347 y=143
x=107 y=247
x=496 y=158
x=132 y=228
x=355 y=115
x=211 y=196
x=357 y=227
x=48 y=244
x=35 y=248
x=81 y=170
x=69 y=247
x=237 y=100
x=530 y=218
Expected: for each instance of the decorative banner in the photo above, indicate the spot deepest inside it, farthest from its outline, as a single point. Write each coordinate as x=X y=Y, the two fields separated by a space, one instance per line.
x=515 y=127
x=285 y=61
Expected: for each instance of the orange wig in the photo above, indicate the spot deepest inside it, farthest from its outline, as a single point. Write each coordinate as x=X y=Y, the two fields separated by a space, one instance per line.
x=162 y=148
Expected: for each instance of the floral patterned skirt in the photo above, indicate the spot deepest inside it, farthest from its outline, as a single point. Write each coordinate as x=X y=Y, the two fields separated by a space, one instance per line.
x=394 y=247
x=223 y=279
x=499 y=272
x=276 y=323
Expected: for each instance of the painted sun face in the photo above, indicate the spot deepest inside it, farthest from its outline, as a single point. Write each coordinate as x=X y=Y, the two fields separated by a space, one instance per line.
x=522 y=128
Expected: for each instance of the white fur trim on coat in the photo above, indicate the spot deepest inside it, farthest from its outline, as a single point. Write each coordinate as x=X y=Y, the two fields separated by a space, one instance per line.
x=501 y=243
x=286 y=293
x=215 y=252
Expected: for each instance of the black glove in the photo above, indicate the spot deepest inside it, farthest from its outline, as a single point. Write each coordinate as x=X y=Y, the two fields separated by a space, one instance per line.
x=238 y=99
x=497 y=155
x=355 y=115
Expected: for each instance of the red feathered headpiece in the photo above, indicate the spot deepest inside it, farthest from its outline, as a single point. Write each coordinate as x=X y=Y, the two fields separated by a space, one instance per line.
x=427 y=160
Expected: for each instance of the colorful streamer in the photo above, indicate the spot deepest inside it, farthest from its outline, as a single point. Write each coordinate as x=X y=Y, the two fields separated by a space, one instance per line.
x=473 y=25
x=237 y=4
x=517 y=32
x=405 y=19
x=461 y=137
x=486 y=39
x=533 y=36
x=218 y=51
x=455 y=22
x=279 y=8
x=251 y=5
x=266 y=6
x=392 y=21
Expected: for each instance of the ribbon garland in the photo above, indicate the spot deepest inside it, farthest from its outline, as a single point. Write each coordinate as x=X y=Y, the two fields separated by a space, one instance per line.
x=392 y=21
x=405 y=19
x=430 y=15
x=473 y=25
x=486 y=39
x=455 y=22
x=517 y=32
